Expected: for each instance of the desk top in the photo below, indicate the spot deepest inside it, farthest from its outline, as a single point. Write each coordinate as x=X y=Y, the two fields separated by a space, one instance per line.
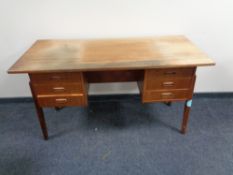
x=110 y=54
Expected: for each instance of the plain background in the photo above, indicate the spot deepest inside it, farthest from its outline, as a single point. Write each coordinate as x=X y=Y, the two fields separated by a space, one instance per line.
x=209 y=24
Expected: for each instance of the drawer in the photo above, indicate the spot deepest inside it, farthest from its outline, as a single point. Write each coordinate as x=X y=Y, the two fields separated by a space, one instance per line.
x=170 y=72
x=168 y=83
x=58 y=88
x=170 y=95
x=56 y=77
x=61 y=100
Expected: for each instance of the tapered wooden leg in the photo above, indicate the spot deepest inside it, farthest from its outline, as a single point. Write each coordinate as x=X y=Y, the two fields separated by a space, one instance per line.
x=187 y=108
x=40 y=115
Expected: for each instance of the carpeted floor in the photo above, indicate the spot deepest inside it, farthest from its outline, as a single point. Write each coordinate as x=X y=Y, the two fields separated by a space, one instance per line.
x=118 y=137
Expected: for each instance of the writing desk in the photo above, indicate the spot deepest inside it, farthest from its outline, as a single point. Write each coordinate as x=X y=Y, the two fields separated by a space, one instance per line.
x=60 y=70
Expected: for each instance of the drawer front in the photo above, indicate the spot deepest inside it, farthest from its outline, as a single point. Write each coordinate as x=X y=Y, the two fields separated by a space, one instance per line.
x=170 y=72
x=56 y=77
x=170 y=95
x=61 y=100
x=58 y=88
x=169 y=83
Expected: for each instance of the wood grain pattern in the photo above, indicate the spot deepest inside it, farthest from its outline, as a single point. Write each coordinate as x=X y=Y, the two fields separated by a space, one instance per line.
x=169 y=78
x=110 y=54
x=61 y=100
x=167 y=95
x=57 y=88
x=114 y=76
x=167 y=84
x=56 y=77
x=170 y=73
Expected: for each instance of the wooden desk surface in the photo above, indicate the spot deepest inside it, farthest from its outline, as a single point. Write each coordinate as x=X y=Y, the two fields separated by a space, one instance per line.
x=110 y=54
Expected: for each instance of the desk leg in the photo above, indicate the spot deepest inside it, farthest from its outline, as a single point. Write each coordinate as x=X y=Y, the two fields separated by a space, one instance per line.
x=187 y=107
x=40 y=115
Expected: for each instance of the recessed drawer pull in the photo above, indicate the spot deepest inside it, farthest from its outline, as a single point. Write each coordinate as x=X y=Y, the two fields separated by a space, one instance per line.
x=61 y=100
x=167 y=94
x=58 y=89
x=168 y=84
x=170 y=73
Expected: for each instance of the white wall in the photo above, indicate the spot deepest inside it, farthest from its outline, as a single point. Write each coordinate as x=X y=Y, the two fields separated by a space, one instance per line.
x=208 y=23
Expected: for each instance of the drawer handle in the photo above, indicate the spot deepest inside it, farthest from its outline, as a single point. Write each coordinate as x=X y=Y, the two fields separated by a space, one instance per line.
x=167 y=94
x=168 y=84
x=170 y=73
x=61 y=100
x=58 y=89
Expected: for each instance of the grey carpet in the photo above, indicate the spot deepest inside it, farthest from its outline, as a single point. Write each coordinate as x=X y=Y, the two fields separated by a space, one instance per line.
x=118 y=137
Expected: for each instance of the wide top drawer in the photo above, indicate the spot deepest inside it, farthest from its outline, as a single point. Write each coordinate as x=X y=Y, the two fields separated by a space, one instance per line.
x=170 y=72
x=56 y=77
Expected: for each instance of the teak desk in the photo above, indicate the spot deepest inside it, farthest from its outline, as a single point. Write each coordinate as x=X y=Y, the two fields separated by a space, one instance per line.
x=60 y=70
